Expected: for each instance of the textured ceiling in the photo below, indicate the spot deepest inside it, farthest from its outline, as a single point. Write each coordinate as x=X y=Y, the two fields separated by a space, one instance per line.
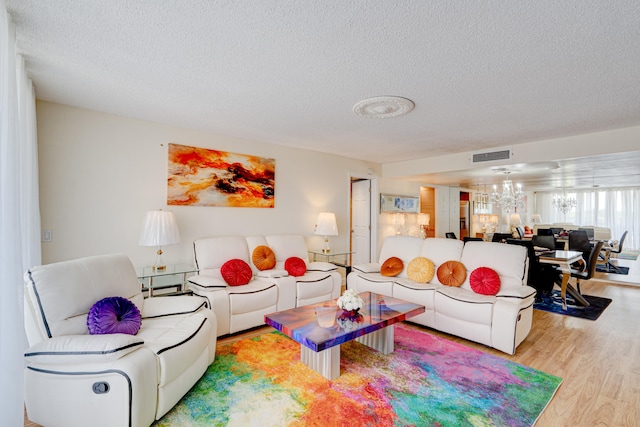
x=481 y=74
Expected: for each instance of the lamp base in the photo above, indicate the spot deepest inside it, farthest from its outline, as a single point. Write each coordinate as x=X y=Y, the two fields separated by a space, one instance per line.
x=326 y=249
x=159 y=264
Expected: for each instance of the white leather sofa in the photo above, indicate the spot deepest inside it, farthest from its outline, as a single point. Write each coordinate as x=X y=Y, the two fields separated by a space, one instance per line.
x=502 y=321
x=73 y=378
x=243 y=307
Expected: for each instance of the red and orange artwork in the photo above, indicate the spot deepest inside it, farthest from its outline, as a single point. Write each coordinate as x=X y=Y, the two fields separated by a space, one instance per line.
x=202 y=177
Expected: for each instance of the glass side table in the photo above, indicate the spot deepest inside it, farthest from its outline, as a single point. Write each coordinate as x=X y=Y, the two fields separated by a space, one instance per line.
x=174 y=276
x=339 y=258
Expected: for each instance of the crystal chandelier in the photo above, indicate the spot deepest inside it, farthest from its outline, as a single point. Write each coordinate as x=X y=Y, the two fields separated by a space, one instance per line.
x=564 y=203
x=509 y=198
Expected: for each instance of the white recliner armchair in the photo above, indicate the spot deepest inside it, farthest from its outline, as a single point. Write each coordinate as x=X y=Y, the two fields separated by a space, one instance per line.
x=73 y=378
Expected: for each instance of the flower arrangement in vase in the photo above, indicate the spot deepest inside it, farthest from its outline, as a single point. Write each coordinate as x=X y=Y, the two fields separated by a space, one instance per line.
x=350 y=302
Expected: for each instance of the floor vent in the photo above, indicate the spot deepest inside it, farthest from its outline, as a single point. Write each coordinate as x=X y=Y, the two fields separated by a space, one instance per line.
x=491 y=156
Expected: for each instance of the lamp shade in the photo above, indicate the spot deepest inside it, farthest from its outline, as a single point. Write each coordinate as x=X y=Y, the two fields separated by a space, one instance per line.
x=515 y=219
x=326 y=224
x=159 y=228
x=536 y=218
x=424 y=218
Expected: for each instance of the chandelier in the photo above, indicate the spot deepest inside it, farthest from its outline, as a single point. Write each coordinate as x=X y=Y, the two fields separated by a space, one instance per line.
x=509 y=198
x=563 y=203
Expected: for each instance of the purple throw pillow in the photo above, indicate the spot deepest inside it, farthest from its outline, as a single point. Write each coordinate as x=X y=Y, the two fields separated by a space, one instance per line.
x=114 y=315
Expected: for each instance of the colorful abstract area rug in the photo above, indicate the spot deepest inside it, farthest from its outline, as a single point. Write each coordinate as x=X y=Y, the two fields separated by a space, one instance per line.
x=553 y=303
x=427 y=381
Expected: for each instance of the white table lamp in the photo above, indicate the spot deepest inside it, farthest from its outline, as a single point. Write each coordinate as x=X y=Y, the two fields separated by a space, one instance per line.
x=326 y=226
x=159 y=229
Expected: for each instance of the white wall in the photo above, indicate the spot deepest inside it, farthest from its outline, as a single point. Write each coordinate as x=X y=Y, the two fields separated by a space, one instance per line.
x=100 y=173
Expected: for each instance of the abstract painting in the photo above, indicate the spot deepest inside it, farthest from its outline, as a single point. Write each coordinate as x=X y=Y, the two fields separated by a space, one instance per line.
x=203 y=177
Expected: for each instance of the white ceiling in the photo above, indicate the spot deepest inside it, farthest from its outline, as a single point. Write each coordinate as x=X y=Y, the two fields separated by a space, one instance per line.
x=481 y=74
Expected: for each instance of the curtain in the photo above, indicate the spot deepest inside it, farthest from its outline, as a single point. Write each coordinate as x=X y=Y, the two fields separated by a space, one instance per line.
x=19 y=215
x=616 y=208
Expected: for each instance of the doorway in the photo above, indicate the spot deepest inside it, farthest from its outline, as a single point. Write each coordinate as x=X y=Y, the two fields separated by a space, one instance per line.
x=363 y=219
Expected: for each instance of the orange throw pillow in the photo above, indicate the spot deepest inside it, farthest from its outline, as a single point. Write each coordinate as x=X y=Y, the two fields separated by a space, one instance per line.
x=391 y=267
x=263 y=258
x=452 y=273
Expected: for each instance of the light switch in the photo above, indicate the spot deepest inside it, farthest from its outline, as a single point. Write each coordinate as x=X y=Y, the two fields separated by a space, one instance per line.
x=47 y=236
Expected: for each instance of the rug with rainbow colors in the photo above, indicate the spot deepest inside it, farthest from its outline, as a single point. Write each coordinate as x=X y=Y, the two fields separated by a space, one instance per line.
x=426 y=381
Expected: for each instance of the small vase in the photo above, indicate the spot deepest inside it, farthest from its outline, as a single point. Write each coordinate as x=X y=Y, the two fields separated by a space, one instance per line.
x=351 y=313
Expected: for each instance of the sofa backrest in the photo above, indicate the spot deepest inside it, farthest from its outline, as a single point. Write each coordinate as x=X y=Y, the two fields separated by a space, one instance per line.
x=58 y=296
x=211 y=252
x=286 y=246
x=440 y=250
x=509 y=261
x=404 y=247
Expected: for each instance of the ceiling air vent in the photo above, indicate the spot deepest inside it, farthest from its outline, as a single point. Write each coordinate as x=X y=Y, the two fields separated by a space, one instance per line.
x=491 y=156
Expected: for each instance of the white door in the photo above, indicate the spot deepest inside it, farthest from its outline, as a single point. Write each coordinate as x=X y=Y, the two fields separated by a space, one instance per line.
x=361 y=221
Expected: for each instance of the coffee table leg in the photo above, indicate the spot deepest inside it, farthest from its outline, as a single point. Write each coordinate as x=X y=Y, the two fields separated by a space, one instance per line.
x=325 y=362
x=381 y=340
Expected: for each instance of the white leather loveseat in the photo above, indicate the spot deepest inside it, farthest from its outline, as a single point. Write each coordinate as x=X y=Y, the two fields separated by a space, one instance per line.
x=73 y=378
x=243 y=307
x=500 y=321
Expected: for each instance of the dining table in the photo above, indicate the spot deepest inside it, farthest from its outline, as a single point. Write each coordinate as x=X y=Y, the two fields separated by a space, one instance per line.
x=564 y=260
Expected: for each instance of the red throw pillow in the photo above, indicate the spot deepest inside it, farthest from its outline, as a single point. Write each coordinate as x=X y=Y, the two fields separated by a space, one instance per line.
x=485 y=281
x=295 y=266
x=236 y=272
x=452 y=273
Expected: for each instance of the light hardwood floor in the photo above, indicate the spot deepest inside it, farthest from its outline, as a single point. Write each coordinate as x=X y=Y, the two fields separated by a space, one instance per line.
x=599 y=361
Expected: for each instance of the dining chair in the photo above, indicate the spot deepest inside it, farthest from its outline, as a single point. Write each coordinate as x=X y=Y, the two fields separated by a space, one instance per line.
x=548 y=242
x=501 y=237
x=614 y=249
x=471 y=239
x=579 y=241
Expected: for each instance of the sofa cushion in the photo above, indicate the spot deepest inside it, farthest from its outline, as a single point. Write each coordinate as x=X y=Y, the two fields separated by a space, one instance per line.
x=295 y=266
x=263 y=258
x=452 y=273
x=236 y=272
x=114 y=315
x=391 y=267
x=485 y=281
x=421 y=270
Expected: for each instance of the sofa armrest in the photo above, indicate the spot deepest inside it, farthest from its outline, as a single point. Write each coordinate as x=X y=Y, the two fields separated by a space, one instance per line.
x=79 y=349
x=372 y=267
x=206 y=282
x=517 y=293
x=321 y=266
x=169 y=306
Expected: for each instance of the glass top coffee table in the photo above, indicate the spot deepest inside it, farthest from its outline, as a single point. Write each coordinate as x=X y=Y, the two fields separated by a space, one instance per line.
x=321 y=328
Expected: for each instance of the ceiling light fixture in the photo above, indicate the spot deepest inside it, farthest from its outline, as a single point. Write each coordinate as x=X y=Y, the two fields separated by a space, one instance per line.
x=482 y=203
x=382 y=107
x=509 y=198
x=563 y=202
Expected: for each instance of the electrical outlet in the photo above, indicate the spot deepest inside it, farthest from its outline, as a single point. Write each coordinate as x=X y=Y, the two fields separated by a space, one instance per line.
x=47 y=236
